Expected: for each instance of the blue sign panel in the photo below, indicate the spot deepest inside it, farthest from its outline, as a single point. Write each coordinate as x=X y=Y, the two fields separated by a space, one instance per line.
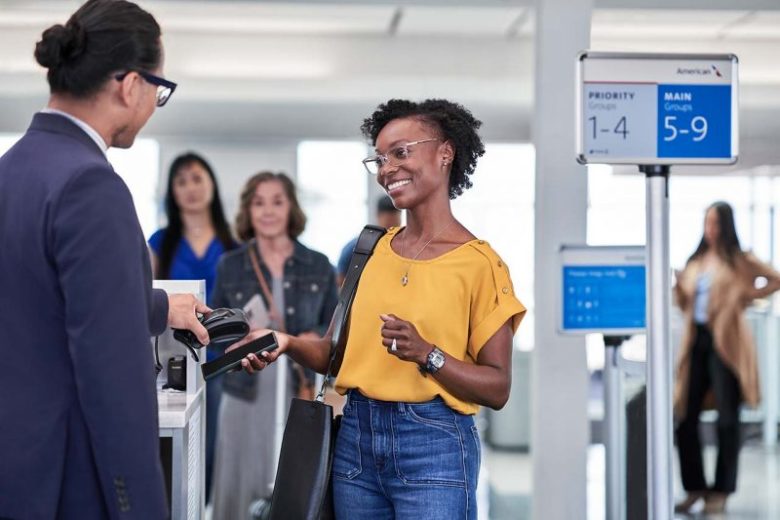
x=603 y=297
x=694 y=121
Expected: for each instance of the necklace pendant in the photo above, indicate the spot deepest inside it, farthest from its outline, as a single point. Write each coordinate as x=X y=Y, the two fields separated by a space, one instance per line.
x=405 y=279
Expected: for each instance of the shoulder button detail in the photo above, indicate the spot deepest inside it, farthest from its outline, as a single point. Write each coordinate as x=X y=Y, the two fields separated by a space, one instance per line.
x=505 y=290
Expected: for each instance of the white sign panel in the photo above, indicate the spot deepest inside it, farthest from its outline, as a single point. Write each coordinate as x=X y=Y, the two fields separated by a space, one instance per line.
x=657 y=109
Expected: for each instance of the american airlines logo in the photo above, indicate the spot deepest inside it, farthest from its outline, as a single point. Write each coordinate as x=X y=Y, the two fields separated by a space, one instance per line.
x=698 y=71
x=694 y=71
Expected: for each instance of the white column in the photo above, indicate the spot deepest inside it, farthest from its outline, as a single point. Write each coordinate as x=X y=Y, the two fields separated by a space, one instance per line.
x=560 y=430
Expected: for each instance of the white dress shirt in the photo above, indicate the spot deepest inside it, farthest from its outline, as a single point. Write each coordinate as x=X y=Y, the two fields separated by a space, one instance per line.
x=91 y=132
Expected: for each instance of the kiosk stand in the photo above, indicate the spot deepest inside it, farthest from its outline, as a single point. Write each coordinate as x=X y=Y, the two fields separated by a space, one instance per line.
x=656 y=110
x=182 y=419
x=603 y=291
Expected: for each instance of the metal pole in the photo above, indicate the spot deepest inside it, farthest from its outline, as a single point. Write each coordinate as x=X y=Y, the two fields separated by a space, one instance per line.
x=771 y=393
x=613 y=438
x=770 y=378
x=280 y=409
x=659 y=355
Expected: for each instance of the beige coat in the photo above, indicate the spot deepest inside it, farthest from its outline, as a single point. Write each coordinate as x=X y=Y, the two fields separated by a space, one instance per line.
x=732 y=290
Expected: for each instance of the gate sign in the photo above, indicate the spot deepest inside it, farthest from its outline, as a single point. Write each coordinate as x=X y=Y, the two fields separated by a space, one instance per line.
x=657 y=108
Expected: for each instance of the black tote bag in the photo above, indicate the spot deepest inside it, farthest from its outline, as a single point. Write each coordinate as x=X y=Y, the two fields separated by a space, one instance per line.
x=302 y=490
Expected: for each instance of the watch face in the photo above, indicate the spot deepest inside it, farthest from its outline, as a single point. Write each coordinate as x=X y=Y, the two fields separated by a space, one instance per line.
x=437 y=358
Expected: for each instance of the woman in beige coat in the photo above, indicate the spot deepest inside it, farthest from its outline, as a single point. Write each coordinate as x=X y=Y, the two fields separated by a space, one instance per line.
x=717 y=362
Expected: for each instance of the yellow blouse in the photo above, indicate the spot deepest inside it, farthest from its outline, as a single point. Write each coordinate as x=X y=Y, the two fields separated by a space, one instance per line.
x=456 y=301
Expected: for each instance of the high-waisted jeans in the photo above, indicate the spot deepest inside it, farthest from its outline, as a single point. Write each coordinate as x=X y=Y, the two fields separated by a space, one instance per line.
x=405 y=460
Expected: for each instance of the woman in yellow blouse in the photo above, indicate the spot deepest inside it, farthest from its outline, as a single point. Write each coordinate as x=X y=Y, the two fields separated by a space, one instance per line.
x=430 y=337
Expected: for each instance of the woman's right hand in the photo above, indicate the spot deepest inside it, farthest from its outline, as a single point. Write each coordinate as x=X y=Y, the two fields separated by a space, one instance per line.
x=251 y=362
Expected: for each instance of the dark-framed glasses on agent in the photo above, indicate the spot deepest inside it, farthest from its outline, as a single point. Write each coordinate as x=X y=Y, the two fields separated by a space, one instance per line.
x=165 y=87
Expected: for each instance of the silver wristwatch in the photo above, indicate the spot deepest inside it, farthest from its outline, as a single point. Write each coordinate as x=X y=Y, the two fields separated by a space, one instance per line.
x=435 y=360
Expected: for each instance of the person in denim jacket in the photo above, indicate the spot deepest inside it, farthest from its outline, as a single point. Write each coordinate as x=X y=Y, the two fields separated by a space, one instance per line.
x=302 y=284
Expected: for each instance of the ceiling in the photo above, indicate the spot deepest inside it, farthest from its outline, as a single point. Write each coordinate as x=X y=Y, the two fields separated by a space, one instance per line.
x=260 y=70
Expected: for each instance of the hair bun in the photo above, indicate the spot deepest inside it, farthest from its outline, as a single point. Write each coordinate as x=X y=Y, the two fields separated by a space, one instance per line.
x=60 y=45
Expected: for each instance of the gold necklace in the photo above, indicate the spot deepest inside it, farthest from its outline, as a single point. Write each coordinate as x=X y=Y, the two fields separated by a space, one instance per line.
x=405 y=277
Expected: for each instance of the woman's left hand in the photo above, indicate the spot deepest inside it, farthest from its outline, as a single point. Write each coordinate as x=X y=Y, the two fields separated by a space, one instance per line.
x=409 y=346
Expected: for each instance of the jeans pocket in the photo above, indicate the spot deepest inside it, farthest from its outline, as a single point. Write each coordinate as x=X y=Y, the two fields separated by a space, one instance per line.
x=437 y=415
x=428 y=451
x=346 y=457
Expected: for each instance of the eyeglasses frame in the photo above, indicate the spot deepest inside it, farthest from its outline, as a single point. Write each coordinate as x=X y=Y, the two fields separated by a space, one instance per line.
x=154 y=80
x=385 y=160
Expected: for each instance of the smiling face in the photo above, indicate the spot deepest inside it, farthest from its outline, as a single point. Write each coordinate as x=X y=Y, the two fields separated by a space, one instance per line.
x=415 y=177
x=270 y=210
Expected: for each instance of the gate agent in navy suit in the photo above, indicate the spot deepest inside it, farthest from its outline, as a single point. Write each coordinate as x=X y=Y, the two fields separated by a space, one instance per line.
x=78 y=407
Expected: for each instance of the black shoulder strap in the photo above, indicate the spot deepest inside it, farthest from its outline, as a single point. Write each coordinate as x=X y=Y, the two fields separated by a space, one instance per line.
x=363 y=249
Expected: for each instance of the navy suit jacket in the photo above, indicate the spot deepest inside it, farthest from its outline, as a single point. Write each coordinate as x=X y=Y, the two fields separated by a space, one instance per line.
x=78 y=405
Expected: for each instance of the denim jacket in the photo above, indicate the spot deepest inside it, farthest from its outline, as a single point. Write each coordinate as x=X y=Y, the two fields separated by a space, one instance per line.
x=310 y=294
x=310 y=298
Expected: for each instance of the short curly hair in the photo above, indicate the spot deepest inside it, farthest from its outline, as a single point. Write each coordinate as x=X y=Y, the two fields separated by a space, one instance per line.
x=451 y=121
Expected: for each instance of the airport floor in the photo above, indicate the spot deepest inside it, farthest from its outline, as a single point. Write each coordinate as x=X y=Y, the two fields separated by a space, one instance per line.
x=506 y=488
x=757 y=496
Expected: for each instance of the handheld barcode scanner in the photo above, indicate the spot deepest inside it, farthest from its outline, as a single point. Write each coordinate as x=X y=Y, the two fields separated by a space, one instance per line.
x=225 y=327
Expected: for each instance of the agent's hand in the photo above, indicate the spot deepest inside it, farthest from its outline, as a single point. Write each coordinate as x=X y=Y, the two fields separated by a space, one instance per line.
x=181 y=315
x=252 y=363
x=409 y=346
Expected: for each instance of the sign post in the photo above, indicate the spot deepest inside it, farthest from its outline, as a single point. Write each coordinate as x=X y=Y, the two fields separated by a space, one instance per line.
x=656 y=110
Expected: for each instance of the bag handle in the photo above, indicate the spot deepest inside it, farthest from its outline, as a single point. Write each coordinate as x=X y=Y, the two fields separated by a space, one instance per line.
x=364 y=248
x=275 y=315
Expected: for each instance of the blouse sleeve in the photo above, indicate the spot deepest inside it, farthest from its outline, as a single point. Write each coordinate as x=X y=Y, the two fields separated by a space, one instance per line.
x=493 y=302
x=155 y=241
x=759 y=268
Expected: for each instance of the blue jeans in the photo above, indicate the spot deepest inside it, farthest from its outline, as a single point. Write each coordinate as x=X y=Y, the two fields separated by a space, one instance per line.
x=405 y=460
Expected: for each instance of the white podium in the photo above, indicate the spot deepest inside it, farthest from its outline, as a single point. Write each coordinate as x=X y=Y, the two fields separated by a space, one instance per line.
x=182 y=419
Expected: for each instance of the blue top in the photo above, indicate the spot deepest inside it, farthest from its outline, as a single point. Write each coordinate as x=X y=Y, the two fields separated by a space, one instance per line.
x=345 y=256
x=700 y=304
x=186 y=265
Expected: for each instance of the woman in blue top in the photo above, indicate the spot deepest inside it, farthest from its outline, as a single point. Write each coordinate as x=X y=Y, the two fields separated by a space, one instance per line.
x=197 y=233
x=189 y=249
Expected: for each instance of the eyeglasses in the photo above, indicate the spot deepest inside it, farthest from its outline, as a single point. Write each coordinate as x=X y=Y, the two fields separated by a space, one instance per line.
x=165 y=88
x=397 y=155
